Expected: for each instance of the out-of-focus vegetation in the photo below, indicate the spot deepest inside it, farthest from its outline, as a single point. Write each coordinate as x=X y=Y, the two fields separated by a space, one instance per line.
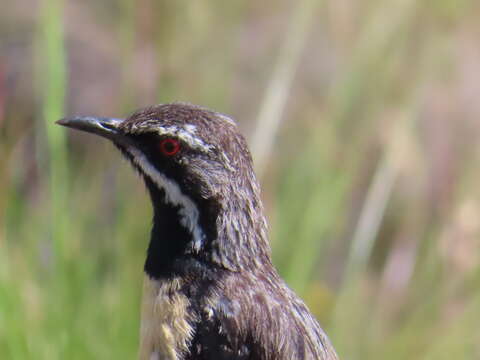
x=364 y=119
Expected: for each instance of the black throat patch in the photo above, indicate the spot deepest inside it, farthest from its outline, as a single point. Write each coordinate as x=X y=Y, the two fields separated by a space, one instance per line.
x=170 y=252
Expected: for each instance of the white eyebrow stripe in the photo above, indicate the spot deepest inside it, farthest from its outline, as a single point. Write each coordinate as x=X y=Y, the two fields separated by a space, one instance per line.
x=186 y=133
x=190 y=128
x=188 y=210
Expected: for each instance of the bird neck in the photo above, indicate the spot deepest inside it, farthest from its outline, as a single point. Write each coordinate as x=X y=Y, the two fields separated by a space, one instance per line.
x=231 y=235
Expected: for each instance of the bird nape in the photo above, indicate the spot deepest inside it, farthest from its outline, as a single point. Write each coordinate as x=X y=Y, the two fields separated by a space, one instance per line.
x=210 y=289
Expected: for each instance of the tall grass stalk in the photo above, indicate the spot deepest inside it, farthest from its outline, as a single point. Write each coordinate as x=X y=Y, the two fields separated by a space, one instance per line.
x=53 y=75
x=56 y=292
x=276 y=94
x=375 y=47
x=371 y=216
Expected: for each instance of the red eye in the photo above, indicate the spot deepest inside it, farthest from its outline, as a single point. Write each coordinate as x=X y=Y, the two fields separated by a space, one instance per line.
x=169 y=147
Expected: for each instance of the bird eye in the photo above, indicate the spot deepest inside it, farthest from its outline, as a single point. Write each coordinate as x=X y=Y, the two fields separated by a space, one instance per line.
x=169 y=147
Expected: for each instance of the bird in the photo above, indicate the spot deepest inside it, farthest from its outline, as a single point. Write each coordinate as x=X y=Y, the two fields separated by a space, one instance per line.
x=210 y=289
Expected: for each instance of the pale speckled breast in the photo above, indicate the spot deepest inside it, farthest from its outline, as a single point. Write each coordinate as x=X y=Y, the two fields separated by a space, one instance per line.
x=166 y=326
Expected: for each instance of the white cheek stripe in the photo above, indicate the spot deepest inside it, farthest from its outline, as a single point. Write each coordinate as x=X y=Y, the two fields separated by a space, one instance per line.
x=188 y=211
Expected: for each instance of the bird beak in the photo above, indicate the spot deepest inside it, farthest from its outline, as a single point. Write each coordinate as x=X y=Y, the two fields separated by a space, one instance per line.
x=106 y=127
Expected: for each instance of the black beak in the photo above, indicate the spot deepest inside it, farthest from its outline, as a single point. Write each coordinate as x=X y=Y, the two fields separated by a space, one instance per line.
x=106 y=127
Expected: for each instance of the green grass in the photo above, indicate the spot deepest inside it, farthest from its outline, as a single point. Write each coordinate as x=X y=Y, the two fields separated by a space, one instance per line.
x=365 y=144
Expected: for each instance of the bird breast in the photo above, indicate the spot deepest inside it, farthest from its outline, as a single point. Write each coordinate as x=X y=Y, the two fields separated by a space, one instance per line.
x=166 y=325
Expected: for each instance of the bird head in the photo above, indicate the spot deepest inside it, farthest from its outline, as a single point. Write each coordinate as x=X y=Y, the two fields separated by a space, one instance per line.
x=199 y=173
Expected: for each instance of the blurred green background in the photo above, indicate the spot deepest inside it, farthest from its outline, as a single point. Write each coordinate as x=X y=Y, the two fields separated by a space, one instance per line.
x=364 y=121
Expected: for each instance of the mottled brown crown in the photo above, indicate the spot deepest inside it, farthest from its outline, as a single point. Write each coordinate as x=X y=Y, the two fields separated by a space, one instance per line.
x=214 y=130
